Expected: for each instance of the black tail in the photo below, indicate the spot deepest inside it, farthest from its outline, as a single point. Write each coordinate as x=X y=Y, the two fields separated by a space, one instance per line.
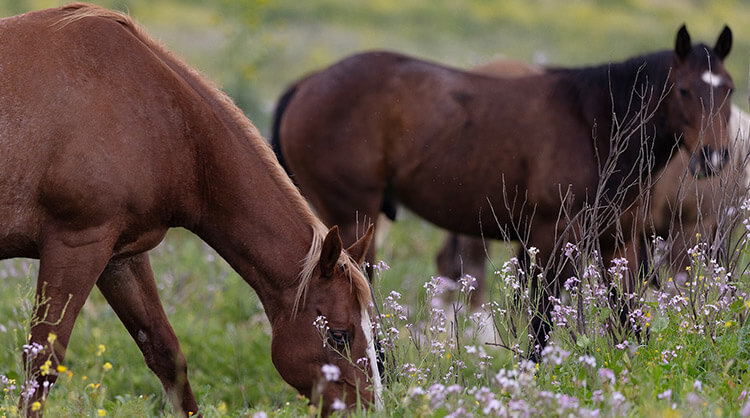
x=275 y=134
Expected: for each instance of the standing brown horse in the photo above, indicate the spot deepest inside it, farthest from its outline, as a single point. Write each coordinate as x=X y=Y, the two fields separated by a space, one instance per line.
x=456 y=147
x=108 y=141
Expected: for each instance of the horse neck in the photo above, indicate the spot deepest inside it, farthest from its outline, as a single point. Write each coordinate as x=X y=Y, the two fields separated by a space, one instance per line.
x=252 y=218
x=607 y=90
x=244 y=205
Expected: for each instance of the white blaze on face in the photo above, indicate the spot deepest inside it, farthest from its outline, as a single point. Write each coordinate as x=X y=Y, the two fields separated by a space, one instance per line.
x=712 y=79
x=372 y=359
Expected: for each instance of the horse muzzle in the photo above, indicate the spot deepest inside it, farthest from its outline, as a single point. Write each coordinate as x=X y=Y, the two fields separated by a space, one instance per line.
x=707 y=161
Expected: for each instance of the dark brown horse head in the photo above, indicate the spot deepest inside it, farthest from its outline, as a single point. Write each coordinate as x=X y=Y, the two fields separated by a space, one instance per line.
x=339 y=368
x=699 y=103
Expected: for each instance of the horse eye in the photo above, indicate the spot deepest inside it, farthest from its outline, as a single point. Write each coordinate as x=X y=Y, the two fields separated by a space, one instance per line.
x=339 y=338
x=684 y=93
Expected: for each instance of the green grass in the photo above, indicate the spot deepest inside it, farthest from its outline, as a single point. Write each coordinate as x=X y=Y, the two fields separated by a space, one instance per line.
x=225 y=337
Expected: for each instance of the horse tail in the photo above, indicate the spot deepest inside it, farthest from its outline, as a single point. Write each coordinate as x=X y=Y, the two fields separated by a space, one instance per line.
x=275 y=128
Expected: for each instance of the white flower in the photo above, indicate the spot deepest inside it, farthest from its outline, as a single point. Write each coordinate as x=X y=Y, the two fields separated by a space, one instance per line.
x=331 y=372
x=338 y=405
x=667 y=394
x=697 y=385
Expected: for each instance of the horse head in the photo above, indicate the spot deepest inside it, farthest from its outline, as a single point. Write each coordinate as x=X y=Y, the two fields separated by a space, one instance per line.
x=699 y=102
x=325 y=348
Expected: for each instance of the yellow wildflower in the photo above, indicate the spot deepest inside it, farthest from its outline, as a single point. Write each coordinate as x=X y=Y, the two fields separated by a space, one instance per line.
x=101 y=350
x=51 y=338
x=107 y=366
x=101 y=413
x=44 y=368
x=61 y=368
x=36 y=406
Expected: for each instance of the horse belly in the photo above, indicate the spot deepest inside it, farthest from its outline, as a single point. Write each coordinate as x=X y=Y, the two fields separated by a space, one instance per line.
x=469 y=203
x=20 y=216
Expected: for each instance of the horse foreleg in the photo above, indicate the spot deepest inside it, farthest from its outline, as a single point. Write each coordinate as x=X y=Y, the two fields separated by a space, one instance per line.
x=541 y=319
x=625 y=300
x=129 y=287
x=67 y=273
x=464 y=255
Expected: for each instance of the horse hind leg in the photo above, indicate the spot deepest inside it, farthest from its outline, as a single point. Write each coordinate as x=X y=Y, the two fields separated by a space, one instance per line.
x=70 y=263
x=129 y=287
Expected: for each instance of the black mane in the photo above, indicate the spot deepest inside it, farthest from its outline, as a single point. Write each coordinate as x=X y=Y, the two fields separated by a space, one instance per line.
x=627 y=90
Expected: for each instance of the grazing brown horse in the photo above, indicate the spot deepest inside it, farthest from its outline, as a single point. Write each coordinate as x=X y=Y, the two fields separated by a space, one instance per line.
x=108 y=141
x=682 y=207
x=456 y=147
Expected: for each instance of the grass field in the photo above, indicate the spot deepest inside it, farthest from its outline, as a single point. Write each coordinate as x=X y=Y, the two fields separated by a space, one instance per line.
x=695 y=363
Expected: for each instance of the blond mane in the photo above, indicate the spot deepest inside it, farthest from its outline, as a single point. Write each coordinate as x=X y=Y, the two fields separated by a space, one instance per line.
x=235 y=119
x=351 y=268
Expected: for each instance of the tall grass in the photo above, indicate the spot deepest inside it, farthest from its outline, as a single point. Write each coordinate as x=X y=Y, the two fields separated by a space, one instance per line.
x=441 y=358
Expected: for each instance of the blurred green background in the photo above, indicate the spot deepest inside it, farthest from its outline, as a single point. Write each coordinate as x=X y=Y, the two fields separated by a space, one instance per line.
x=254 y=48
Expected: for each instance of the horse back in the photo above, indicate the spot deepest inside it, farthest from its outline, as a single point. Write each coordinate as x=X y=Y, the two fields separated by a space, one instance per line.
x=429 y=134
x=87 y=129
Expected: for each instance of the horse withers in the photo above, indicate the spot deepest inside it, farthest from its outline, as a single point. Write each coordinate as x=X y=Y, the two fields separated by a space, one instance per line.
x=108 y=141
x=455 y=147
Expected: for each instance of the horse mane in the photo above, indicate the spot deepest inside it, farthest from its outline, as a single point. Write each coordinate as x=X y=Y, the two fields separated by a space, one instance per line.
x=619 y=99
x=351 y=269
x=612 y=90
x=236 y=120
x=607 y=90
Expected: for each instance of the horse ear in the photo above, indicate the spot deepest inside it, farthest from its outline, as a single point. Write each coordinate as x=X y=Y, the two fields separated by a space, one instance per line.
x=683 y=44
x=724 y=43
x=330 y=252
x=358 y=250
